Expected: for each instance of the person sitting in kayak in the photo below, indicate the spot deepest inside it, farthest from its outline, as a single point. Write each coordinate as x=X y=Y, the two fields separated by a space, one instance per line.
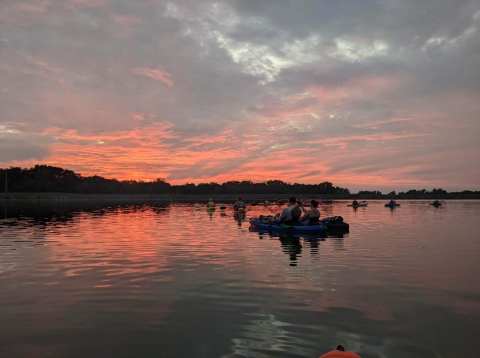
x=239 y=204
x=312 y=215
x=210 y=204
x=291 y=214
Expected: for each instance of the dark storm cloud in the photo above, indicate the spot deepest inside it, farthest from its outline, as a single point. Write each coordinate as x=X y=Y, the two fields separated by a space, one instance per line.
x=401 y=20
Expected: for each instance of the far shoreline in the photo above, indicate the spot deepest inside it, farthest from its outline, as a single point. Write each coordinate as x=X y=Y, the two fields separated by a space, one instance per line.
x=71 y=197
x=55 y=197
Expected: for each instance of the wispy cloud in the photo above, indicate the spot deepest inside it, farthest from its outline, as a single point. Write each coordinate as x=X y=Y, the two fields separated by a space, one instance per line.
x=155 y=74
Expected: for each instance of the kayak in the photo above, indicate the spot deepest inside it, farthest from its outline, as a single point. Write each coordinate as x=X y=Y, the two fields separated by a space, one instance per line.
x=328 y=225
x=361 y=205
x=388 y=205
x=258 y=224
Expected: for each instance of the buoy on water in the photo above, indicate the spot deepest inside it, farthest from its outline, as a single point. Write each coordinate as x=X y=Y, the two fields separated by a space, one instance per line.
x=340 y=353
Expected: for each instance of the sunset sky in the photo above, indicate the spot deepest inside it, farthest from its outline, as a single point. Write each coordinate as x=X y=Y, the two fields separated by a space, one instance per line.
x=367 y=94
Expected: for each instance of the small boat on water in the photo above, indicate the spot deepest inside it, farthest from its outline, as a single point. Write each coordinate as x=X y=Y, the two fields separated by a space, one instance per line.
x=436 y=204
x=211 y=205
x=392 y=204
x=325 y=226
x=258 y=225
x=358 y=204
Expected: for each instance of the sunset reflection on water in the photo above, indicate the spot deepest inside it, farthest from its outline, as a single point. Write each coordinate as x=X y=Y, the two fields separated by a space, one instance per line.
x=156 y=276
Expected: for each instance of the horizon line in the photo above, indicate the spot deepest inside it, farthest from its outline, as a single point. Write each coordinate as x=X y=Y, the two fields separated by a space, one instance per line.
x=164 y=180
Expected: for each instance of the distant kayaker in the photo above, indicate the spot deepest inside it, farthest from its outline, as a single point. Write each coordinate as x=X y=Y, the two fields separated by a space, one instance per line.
x=211 y=203
x=291 y=214
x=239 y=204
x=311 y=215
x=340 y=352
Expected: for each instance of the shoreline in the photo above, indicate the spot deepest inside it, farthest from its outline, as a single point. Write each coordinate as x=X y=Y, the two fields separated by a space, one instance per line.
x=74 y=197
x=187 y=198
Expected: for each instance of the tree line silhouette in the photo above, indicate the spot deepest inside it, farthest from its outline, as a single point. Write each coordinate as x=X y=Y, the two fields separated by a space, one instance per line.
x=43 y=178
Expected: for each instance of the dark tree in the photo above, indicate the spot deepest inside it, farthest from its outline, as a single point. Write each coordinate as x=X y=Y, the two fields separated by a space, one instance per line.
x=43 y=178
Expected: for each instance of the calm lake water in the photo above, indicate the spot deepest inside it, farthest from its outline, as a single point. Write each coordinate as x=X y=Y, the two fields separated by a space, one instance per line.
x=175 y=281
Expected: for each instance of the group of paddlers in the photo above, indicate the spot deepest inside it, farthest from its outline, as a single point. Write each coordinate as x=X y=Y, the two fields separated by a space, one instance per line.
x=294 y=214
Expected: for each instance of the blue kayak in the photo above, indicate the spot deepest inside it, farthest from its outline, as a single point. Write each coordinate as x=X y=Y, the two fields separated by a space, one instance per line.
x=333 y=225
x=301 y=229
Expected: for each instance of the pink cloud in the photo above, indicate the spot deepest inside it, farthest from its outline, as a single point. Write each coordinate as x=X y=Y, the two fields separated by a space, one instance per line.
x=155 y=74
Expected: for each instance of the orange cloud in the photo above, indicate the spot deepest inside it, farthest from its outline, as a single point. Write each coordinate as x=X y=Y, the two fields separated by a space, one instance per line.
x=145 y=153
x=156 y=151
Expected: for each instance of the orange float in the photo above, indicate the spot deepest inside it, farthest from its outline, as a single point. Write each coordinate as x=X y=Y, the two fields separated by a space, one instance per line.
x=340 y=354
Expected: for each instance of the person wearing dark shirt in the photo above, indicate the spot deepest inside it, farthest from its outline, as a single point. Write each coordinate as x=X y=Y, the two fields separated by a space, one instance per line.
x=291 y=214
x=239 y=205
x=311 y=215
